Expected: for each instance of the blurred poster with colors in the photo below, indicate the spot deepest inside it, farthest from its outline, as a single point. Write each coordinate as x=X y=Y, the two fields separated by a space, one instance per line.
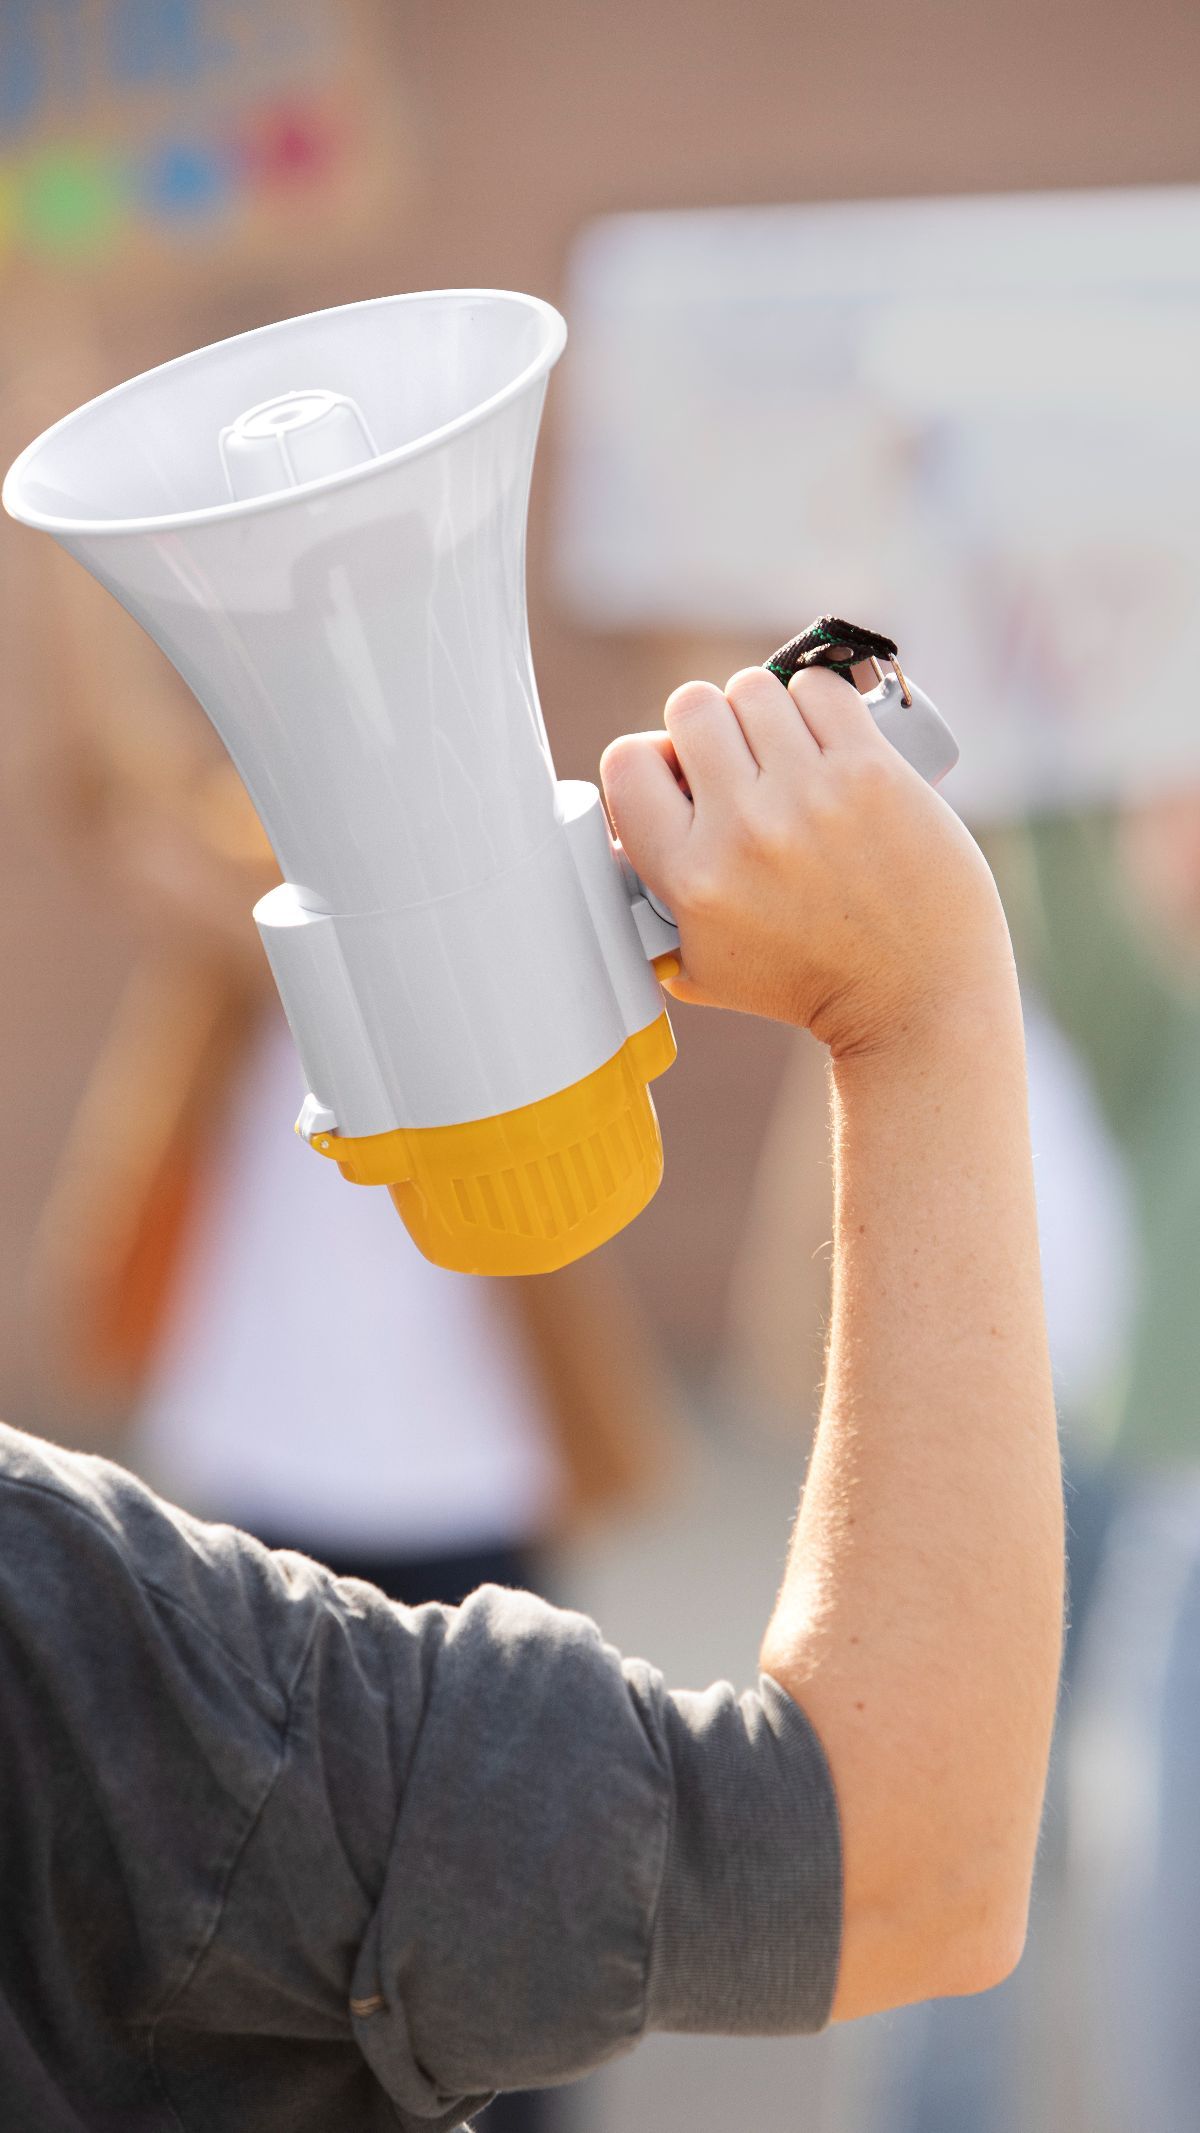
x=171 y=171
x=973 y=423
x=149 y=136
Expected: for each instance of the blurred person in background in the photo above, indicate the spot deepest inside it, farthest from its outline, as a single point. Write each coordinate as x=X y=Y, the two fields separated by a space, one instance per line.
x=1108 y=910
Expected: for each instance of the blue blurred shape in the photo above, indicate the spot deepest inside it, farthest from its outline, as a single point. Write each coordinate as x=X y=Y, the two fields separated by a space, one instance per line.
x=185 y=180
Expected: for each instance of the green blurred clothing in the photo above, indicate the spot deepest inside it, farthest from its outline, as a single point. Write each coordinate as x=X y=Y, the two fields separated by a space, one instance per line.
x=1136 y=1026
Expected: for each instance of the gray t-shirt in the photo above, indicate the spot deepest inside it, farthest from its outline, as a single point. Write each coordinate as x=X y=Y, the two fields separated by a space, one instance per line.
x=278 y=1854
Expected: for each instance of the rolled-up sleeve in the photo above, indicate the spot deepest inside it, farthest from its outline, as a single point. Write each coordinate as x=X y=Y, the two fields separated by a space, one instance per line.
x=471 y=1847
x=748 y=1927
x=581 y=1856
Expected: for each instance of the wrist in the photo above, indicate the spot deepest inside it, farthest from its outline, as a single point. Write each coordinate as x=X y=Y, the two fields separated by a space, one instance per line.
x=964 y=992
x=943 y=1026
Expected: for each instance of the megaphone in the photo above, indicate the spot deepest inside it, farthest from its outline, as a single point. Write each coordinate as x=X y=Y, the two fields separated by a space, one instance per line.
x=322 y=524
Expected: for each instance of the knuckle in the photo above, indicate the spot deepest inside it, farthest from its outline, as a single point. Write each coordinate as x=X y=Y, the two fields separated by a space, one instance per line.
x=816 y=685
x=626 y=765
x=616 y=758
x=695 y=699
x=697 y=891
x=776 y=836
x=825 y=801
x=750 y=825
x=741 y=821
x=756 y=835
x=751 y=682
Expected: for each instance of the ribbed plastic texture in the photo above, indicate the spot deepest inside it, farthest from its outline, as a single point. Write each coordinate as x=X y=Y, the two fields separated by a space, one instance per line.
x=529 y=1190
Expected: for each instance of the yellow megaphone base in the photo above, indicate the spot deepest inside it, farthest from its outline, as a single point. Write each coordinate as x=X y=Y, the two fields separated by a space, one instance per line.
x=528 y=1190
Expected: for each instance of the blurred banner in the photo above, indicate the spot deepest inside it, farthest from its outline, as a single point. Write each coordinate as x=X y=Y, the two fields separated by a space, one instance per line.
x=973 y=423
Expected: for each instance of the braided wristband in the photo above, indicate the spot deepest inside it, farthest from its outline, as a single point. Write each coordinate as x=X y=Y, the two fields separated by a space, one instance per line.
x=829 y=642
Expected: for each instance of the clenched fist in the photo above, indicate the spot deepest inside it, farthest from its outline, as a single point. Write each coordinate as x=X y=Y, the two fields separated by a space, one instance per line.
x=815 y=878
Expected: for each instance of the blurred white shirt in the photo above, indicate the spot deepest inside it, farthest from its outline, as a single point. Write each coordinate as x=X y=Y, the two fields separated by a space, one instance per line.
x=318 y=1377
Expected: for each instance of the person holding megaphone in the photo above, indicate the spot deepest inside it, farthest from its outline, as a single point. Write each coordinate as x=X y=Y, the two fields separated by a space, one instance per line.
x=278 y=1852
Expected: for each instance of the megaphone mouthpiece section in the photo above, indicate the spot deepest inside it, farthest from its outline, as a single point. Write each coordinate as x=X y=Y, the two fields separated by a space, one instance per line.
x=292 y=439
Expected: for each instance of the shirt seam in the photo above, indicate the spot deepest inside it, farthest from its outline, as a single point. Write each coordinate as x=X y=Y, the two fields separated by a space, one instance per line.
x=427 y=1689
x=207 y=1939
x=667 y=1819
x=146 y=1583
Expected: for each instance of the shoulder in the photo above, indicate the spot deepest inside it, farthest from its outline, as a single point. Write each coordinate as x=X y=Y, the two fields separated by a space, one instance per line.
x=81 y=1535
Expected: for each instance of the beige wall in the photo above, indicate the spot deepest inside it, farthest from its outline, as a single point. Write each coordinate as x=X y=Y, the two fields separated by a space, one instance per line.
x=523 y=120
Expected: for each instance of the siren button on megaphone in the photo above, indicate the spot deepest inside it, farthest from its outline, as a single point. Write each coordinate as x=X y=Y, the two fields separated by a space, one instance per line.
x=292 y=439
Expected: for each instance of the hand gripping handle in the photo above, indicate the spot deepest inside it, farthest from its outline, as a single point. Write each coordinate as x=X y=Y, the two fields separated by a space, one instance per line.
x=902 y=712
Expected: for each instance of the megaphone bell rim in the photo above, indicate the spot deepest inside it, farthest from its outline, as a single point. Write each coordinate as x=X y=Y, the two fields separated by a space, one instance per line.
x=28 y=514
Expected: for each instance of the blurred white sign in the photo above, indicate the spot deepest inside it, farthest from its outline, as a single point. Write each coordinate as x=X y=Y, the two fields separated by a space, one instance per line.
x=972 y=423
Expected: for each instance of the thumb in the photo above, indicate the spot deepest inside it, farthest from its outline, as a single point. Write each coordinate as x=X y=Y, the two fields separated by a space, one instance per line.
x=650 y=811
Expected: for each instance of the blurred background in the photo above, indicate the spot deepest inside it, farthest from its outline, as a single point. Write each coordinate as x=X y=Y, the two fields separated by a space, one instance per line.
x=894 y=314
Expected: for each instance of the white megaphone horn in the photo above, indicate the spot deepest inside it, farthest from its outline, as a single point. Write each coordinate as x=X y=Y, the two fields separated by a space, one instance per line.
x=322 y=523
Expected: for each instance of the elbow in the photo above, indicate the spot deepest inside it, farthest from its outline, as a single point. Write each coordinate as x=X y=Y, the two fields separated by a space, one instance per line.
x=924 y=1944
x=978 y=1955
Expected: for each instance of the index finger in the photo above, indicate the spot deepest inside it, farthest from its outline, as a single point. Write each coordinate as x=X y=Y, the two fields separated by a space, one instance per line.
x=651 y=813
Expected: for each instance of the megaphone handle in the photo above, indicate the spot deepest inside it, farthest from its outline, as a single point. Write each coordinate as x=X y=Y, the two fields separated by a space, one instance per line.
x=902 y=712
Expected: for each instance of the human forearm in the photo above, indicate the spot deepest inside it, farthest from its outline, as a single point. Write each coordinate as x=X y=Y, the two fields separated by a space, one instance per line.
x=818 y=880
x=919 y=1622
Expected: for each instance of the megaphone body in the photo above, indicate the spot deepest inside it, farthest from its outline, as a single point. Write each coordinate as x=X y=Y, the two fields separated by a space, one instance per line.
x=322 y=523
